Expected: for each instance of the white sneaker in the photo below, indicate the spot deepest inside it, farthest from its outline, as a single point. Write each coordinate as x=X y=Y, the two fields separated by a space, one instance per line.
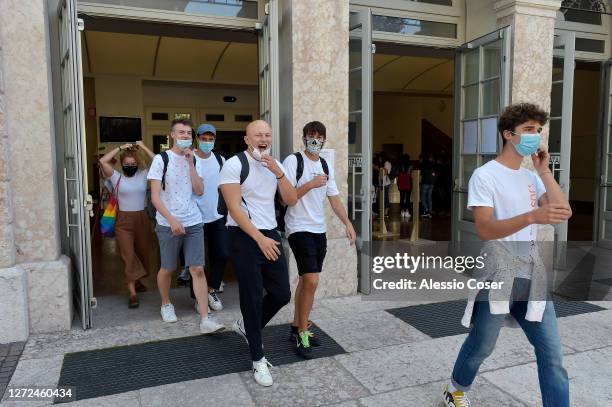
x=214 y=301
x=168 y=314
x=408 y=215
x=209 y=325
x=197 y=308
x=238 y=327
x=220 y=290
x=261 y=373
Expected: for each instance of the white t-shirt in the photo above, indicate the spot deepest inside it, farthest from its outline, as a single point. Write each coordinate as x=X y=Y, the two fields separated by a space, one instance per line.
x=208 y=170
x=510 y=193
x=132 y=191
x=308 y=215
x=257 y=191
x=178 y=195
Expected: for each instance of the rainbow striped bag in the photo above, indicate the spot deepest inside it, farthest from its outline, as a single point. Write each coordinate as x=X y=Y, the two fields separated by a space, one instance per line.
x=109 y=218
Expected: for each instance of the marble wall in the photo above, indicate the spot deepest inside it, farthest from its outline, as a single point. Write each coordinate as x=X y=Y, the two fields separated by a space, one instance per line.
x=28 y=187
x=319 y=80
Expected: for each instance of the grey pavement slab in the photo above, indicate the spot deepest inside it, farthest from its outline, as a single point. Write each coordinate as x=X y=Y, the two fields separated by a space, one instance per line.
x=587 y=331
x=589 y=372
x=35 y=372
x=129 y=399
x=220 y=391
x=315 y=382
x=368 y=330
x=430 y=394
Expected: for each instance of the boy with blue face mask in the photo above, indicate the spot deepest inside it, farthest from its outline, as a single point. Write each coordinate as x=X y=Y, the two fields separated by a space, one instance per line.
x=174 y=183
x=508 y=201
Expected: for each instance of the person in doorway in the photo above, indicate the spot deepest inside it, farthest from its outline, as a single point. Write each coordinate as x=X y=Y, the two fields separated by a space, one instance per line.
x=208 y=165
x=508 y=201
x=174 y=182
x=249 y=182
x=404 y=184
x=429 y=176
x=305 y=227
x=132 y=229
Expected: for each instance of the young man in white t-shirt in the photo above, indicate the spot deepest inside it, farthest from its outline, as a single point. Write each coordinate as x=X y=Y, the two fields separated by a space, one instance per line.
x=179 y=221
x=508 y=202
x=249 y=182
x=305 y=226
x=208 y=166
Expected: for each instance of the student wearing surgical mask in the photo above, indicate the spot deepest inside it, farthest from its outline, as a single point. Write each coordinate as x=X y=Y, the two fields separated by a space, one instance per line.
x=132 y=229
x=305 y=227
x=508 y=201
x=208 y=165
x=174 y=185
x=249 y=181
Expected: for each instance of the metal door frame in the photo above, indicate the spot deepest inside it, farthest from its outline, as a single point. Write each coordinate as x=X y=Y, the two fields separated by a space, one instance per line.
x=603 y=145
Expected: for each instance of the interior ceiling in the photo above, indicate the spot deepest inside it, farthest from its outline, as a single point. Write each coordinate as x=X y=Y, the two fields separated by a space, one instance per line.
x=169 y=58
x=413 y=74
x=234 y=61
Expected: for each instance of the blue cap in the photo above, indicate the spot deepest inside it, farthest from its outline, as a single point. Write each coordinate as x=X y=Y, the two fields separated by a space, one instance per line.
x=206 y=128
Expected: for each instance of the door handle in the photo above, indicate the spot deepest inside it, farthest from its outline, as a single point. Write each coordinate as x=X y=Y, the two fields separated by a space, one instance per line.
x=89 y=205
x=66 y=203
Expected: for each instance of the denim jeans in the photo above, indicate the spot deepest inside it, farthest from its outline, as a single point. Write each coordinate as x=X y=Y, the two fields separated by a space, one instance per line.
x=543 y=336
x=426 y=197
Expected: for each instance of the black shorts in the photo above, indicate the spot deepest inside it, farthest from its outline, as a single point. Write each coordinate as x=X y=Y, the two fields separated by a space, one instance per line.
x=309 y=250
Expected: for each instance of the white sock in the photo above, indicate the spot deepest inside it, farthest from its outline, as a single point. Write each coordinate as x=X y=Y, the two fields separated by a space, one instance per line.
x=451 y=388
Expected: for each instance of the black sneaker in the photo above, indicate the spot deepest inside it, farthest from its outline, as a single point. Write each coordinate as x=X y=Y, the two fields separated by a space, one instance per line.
x=302 y=345
x=314 y=341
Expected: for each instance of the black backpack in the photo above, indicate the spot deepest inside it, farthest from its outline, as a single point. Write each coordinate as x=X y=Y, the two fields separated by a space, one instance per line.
x=279 y=208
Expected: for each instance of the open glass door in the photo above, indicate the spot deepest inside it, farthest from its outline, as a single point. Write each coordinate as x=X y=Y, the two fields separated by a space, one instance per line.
x=77 y=202
x=560 y=135
x=268 y=71
x=359 y=138
x=604 y=204
x=482 y=90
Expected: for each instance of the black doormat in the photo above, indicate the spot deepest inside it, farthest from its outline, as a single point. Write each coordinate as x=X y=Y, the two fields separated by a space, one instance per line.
x=103 y=372
x=444 y=318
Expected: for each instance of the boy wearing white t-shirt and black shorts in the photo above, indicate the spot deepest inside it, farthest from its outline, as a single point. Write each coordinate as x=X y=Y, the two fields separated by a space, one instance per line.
x=508 y=201
x=249 y=182
x=305 y=226
x=174 y=182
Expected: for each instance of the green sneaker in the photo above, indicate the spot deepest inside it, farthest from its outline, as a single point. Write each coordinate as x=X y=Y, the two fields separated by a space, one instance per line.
x=303 y=347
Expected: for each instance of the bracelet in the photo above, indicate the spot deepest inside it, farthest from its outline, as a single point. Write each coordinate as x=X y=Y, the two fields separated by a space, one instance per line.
x=281 y=176
x=545 y=172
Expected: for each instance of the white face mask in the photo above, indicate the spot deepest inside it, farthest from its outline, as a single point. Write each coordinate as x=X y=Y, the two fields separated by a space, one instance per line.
x=257 y=154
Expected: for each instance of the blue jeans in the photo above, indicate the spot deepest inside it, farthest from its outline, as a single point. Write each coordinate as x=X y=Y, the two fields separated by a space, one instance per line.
x=543 y=336
x=426 y=197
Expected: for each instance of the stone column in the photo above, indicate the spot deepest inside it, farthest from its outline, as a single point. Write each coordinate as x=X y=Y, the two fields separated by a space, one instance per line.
x=533 y=28
x=319 y=81
x=28 y=142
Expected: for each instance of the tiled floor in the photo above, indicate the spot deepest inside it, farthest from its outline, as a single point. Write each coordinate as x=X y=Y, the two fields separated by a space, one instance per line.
x=9 y=357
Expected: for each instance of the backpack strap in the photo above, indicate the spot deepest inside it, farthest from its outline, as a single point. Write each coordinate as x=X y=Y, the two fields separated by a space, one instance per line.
x=165 y=159
x=244 y=173
x=219 y=160
x=300 y=167
x=324 y=165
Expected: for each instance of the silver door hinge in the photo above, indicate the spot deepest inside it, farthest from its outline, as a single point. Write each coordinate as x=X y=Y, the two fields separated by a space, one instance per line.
x=267 y=8
x=93 y=302
x=80 y=24
x=373 y=48
x=89 y=205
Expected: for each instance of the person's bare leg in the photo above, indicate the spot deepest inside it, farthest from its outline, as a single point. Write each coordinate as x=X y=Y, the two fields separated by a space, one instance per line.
x=132 y=288
x=164 y=280
x=296 y=312
x=200 y=289
x=309 y=282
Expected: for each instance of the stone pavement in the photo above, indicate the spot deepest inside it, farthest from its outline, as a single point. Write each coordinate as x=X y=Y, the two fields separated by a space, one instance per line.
x=388 y=362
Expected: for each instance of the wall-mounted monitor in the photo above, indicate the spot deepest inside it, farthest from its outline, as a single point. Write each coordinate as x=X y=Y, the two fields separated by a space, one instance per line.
x=120 y=129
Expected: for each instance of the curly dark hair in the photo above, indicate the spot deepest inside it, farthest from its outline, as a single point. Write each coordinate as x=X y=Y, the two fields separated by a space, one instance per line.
x=519 y=113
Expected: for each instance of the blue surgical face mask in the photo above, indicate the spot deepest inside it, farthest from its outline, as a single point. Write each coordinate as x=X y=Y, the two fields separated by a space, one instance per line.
x=183 y=144
x=529 y=144
x=206 y=146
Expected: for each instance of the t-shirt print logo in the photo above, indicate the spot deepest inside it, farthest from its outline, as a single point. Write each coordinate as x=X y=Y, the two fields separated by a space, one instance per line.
x=533 y=195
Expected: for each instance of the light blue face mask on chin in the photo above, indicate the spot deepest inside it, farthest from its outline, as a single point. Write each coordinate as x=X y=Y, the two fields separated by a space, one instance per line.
x=528 y=145
x=183 y=144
